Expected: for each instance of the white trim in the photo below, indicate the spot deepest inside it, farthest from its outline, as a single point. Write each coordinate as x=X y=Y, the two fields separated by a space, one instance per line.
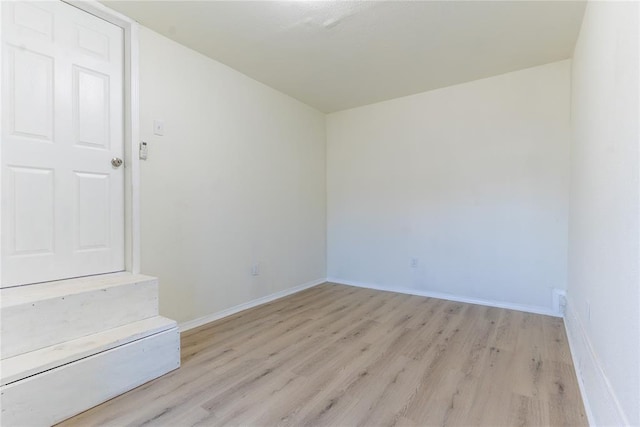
x=190 y=324
x=1 y=114
x=131 y=127
x=103 y=12
x=132 y=183
x=603 y=408
x=450 y=297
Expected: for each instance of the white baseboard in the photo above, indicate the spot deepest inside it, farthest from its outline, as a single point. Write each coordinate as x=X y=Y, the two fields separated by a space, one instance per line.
x=450 y=297
x=600 y=401
x=190 y=324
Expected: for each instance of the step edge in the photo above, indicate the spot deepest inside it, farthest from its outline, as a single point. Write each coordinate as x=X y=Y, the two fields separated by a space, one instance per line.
x=40 y=292
x=155 y=325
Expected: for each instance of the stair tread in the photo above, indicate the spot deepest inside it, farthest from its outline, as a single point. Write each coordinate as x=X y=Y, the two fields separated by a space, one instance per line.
x=27 y=364
x=19 y=295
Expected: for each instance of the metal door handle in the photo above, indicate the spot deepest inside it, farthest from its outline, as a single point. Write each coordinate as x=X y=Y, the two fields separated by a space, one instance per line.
x=116 y=162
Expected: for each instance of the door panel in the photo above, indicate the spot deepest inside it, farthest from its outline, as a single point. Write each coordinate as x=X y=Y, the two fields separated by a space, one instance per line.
x=31 y=194
x=91 y=107
x=62 y=103
x=93 y=42
x=31 y=96
x=92 y=196
x=31 y=16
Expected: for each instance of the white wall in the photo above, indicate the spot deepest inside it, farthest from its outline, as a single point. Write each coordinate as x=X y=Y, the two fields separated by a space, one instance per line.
x=238 y=178
x=471 y=179
x=604 y=275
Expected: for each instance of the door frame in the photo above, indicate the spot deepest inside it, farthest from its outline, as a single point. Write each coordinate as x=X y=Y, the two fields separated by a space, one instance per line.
x=131 y=110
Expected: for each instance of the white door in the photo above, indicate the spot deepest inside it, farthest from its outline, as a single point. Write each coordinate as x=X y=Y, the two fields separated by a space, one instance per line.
x=62 y=124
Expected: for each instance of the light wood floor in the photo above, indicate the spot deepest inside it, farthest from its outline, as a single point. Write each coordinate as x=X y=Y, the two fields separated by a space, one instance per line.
x=344 y=356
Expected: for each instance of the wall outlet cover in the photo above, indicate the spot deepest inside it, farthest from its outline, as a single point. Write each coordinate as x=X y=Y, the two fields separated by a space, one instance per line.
x=558 y=300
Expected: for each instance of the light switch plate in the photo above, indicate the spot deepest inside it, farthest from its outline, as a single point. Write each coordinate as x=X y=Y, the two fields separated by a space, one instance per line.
x=158 y=127
x=143 y=150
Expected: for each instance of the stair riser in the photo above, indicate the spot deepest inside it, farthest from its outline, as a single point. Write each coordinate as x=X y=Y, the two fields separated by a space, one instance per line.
x=28 y=327
x=38 y=361
x=55 y=395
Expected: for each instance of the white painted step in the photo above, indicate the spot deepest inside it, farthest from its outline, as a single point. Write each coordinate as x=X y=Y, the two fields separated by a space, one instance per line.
x=57 y=394
x=42 y=315
x=41 y=360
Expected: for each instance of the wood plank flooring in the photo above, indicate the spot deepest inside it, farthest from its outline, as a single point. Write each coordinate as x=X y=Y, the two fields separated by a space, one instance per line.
x=344 y=356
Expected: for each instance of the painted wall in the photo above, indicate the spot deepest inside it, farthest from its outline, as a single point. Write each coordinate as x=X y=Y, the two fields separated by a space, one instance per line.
x=604 y=273
x=238 y=178
x=472 y=180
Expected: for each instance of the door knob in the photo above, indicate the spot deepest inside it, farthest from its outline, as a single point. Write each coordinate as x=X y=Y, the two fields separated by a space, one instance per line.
x=116 y=162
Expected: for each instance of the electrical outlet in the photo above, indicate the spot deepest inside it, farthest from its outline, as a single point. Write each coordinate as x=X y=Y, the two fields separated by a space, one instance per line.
x=559 y=300
x=255 y=270
x=414 y=262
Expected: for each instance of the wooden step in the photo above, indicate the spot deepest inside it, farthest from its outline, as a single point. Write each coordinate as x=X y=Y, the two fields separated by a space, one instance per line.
x=57 y=394
x=37 y=361
x=42 y=315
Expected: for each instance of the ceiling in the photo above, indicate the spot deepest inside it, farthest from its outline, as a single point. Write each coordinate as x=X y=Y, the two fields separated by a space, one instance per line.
x=335 y=55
